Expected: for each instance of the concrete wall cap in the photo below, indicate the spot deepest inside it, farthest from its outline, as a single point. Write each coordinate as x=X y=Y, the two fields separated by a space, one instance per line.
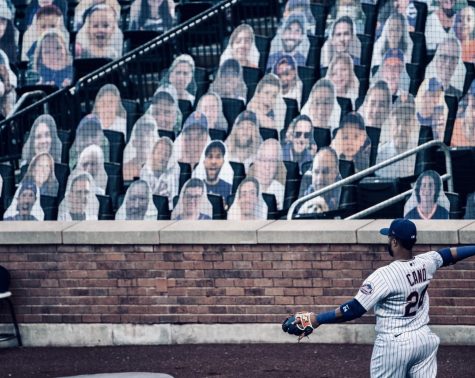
x=212 y=232
x=32 y=232
x=311 y=231
x=115 y=232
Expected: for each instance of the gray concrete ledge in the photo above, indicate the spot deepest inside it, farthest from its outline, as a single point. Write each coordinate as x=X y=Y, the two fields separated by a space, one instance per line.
x=311 y=231
x=115 y=232
x=365 y=231
x=212 y=232
x=31 y=232
x=165 y=334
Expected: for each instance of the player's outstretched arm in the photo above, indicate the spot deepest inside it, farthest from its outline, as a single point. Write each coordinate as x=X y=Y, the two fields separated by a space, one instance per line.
x=454 y=254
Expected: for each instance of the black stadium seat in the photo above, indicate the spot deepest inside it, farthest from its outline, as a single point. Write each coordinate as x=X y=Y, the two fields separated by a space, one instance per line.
x=163 y=210
x=105 y=208
x=217 y=202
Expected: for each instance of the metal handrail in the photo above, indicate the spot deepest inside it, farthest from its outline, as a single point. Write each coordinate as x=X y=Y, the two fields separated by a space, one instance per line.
x=27 y=96
x=374 y=168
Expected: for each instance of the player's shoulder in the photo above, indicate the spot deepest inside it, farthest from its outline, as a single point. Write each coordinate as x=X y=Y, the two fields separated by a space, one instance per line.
x=431 y=257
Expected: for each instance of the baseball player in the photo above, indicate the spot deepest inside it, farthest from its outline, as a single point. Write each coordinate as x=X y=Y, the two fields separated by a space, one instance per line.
x=405 y=346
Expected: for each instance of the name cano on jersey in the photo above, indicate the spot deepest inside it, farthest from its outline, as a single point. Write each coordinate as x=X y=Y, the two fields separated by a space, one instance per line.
x=417 y=276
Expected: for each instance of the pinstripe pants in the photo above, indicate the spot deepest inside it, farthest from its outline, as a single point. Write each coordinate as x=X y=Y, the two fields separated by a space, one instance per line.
x=410 y=354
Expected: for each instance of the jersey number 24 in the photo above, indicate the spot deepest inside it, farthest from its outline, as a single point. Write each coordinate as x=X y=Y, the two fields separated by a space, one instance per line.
x=414 y=302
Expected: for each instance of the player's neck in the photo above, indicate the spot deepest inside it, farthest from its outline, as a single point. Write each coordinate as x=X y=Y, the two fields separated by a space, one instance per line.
x=402 y=255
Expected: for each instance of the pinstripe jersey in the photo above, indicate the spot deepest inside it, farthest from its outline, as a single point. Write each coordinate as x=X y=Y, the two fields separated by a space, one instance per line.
x=398 y=293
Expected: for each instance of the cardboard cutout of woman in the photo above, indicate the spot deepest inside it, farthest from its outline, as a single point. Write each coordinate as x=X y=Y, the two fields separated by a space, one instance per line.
x=81 y=11
x=8 y=82
x=270 y=171
x=395 y=35
x=211 y=106
x=248 y=203
x=303 y=7
x=109 y=109
x=268 y=103
x=100 y=36
x=91 y=161
x=347 y=8
x=465 y=31
x=341 y=73
x=80 y=202
x=432 y=111
x=8 y=32
x=41 y=172
x=53 y=60
x=156 y=15
x=229 y=81
x=138 y=203
x=322 y=106
x=193 y=203
x=242 y=47
x=244 y=140
x=43 y=137
x=428 y=200
x=181 y=75
x=144 y=135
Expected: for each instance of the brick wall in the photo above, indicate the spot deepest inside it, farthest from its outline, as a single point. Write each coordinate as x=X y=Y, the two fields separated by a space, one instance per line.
x=207 y=284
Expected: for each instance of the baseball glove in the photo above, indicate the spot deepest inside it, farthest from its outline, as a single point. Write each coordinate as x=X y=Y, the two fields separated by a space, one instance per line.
x=299 y=324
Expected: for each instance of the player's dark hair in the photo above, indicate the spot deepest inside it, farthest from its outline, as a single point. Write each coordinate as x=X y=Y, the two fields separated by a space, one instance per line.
x=435 y=177
x=407 y=244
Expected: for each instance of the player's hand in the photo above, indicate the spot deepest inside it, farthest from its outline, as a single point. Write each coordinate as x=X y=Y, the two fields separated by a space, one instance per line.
x=301 y=324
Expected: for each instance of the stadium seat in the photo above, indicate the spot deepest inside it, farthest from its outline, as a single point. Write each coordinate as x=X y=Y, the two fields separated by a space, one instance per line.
x=161 y=203
x=424 y=159
x=374 y=134
x=373 y=190
x=8 y=188
x=463 y=161
x=61 y=172
x=345 y=105
x=66 y=141
x=115 y=182
x=239 y=174
x=366 y=49
x=251 y=78
x=186 y=108
x=83 y=67
x=455 y=211
x=271 y=202
x=322 y=137
x=136 y=38
x=202 y=82
x=452 y=104
x=371 y=13
x=314 y=52
x=5 y=296
x=307 y=76
x=347 y=168
x=263 y=45
x=422 y=12
x=49 y=205
x=263 y=16
x=419 y=48
x=166 y=133
x=217 y=202
x=291 y=112
x=116 y=145
x=231 y=109
x=267 y=133
x=216 y=134
x=105 y=207
x=320 y=12
x=416 y=74
x=292 y=184
x=185 y=174
x=133 y=114
x=469 y=76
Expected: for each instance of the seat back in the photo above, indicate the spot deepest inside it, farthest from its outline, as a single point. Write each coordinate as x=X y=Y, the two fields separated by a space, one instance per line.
x=373 y=190
x=105 y=208
x=217 y=202
x=271 y=202
x=231 y=109
x=161 y=203
x=116 y=145
x=49 y=205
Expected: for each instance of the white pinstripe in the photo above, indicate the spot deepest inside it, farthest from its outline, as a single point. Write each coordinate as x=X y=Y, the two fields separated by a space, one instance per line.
x=404 y=346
